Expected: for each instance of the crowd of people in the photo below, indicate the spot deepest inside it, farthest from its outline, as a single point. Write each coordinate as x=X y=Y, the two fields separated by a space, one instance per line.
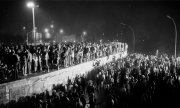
x=134 y=81
x=70 y=95
x=141 y=81
x=23 y=60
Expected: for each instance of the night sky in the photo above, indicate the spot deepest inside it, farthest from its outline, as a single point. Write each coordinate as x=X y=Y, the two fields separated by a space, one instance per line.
x=153 y=30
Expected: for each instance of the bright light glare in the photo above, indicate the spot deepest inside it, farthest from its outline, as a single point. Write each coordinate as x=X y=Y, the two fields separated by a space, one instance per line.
x=48 y=35
x=52 y=26
x=24 y=28
x=30 y=4
x=46 y=30
x=61 y=31
x=84 y=33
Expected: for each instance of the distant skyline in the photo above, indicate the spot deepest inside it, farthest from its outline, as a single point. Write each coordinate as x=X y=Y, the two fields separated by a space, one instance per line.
x=153 y=30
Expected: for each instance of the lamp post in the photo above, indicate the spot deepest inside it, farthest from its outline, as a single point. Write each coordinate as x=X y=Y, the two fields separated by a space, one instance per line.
x=32 y=6
x=46 y=30
x=175 y=28
x=61 y=31
x=134 y=38
x=84 y=33
x=24 y=30
x=52 y=26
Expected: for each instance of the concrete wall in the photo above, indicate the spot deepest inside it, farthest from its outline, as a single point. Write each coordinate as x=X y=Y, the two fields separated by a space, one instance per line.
x=37 y=84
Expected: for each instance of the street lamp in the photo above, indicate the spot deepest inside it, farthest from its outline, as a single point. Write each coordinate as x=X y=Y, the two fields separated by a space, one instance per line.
x=134 y=38
x=84 y=33
x=61 y=31
x=52 y=26
x=47 y=35
x=32 y=6
x=46 y=30
x=169 y=17
x=24 y=28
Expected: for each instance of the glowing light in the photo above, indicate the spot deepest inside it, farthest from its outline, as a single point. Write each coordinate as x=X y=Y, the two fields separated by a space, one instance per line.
x=48 y=35
x=46 y=30
x=30 y=4
x=84 y=32
x=52 y=26
x=61 y=31
x=24 y=28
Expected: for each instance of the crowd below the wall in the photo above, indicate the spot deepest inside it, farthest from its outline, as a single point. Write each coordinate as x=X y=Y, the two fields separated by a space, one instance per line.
x=137 y=80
